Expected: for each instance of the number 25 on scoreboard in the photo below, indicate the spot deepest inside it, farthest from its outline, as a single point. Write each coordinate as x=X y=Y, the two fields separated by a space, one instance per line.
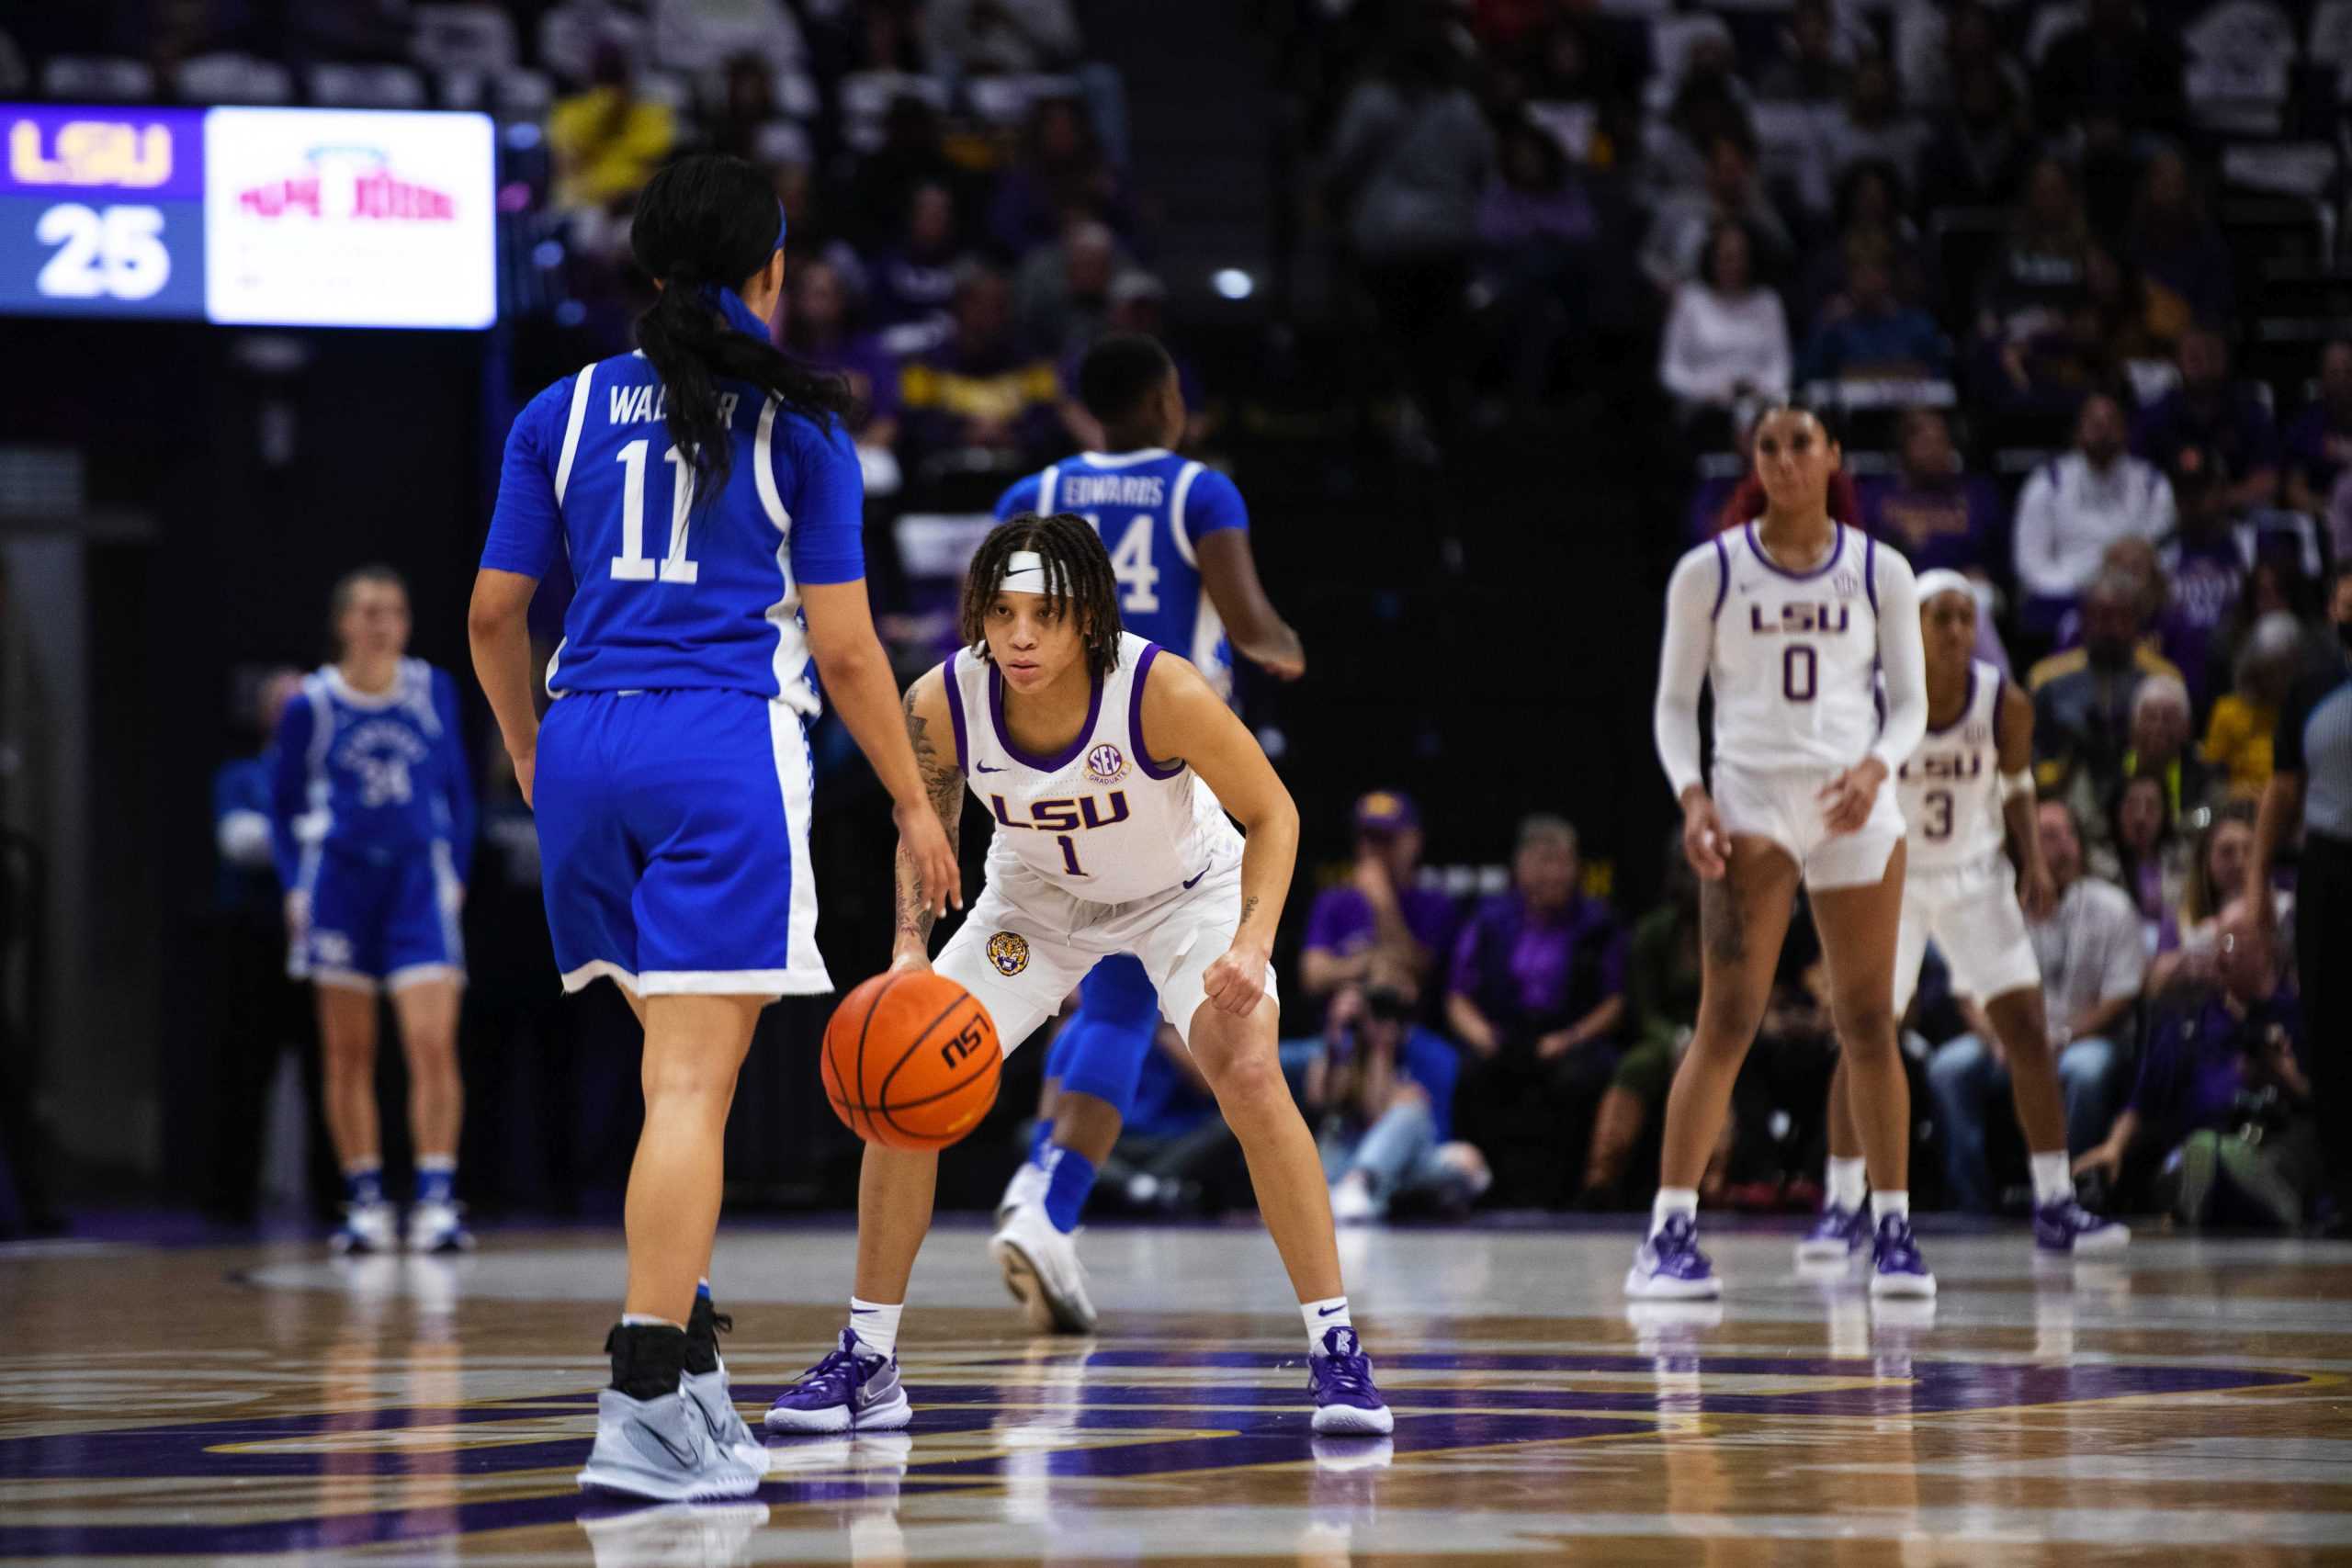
x=114 y=253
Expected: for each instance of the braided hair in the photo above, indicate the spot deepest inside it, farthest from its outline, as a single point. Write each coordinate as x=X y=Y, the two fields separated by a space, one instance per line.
x=1077 y=576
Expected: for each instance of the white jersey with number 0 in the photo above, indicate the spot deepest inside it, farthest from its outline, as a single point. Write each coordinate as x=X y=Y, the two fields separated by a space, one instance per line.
x=1951 y=787
x=1102 y=820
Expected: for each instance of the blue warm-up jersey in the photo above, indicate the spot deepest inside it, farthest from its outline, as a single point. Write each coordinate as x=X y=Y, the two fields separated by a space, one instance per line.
x=677 y=590
x=1151 y=508
x=374 y=775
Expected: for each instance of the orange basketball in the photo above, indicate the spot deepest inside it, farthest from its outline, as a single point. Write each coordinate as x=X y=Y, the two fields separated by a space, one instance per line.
x=910 y=1061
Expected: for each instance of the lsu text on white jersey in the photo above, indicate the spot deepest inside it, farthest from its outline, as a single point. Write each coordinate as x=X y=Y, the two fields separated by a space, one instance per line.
x=1950 y=788
x=1101 y=820
x=1796 y=653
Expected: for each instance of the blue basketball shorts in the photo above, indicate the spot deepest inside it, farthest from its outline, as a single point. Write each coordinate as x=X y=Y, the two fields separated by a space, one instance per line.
x=1101 y=1050
x=378 y=918
x=674 y=844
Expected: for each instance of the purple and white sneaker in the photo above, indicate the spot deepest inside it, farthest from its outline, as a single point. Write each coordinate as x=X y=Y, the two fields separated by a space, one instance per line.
x=1837 y=1235
x=1896 y=1267
x=1340 y=1377
x=2067 y=1226
x=845 y=1391
x=1670 y=1267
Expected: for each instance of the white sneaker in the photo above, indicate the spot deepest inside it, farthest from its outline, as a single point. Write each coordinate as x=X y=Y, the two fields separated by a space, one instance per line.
x=366 y=1228
x=660 y=1450
x=1042 y=1270
x=1028 y=1186
x=1351 y=1201
x=438 y=1227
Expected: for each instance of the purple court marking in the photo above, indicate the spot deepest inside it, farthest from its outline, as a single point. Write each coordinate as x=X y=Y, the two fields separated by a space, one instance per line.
x=1247 y=1426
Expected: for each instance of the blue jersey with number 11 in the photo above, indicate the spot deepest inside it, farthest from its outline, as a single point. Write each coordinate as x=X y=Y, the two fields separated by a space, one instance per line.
x=1152 y=508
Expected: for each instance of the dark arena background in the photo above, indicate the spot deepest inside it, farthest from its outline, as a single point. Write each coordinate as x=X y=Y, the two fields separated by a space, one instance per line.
x=1475 y=301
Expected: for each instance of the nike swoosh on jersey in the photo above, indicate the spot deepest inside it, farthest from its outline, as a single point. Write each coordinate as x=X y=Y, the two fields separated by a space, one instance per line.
x=1202 y=871
x=983 y=767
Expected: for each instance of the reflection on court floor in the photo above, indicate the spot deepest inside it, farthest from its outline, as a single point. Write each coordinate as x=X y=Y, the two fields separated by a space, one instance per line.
x=266 y=1401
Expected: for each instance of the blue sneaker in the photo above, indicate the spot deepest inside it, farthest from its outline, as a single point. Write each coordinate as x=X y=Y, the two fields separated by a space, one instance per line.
x=2067 y=1226
x=1837 y=1235
x=845 y=1391
x=1340 y=1377
x=1896 y=1267
x=1670 y=1267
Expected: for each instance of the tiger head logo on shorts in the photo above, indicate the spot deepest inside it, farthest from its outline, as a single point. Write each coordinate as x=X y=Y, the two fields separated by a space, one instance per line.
x=1009 y=953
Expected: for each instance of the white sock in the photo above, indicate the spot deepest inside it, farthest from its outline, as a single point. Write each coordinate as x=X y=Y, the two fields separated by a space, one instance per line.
x=877 y=1325
x=2052 y=1182
x=1673 y=1201
x=1321 y=1316
x=1849 y=1181
x=1886 y=1204
x=648 y=1320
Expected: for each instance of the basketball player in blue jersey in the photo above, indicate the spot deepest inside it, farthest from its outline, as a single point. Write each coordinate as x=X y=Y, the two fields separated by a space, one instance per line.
x=1108 y=767
x=372 y=825
x=710 y=504
x=1179 y=541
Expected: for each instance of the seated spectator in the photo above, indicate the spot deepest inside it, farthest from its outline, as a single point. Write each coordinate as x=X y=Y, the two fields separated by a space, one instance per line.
x=1536 y=1001
x=982 y=398
x=607 y=141
x=748 y=124
x=1014 y=38
x=2058 y=357
x=2319 y=444
x=1682 y=233
x=1060 y=173
x=1811 y=71
x=2218 y=1127
x=913 y=282
x=2074 y=506
x=1382 y=1090
x=1978 y=154
x=2041 y=269
x=913 y=156
x=1694 y=51
x=1936 y=515
x=2177 y=249
x=2082 y=698
x=2113 y=68
x=2161 y=750
x=2150 y=864
x=1727 y=337
x=1871 y=335
x=2209 y=412
x=1662 y=995
x=1381 y=914
x=2206 y=570
x=1062 y=292
x=817 y=328
x=1869 y=214
x=2238 y=732
x=1871 y=125
x=2093 y=957
x=1537 y=227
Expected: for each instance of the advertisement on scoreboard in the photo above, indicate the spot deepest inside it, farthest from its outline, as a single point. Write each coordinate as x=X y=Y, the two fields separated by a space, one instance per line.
x=250 y=217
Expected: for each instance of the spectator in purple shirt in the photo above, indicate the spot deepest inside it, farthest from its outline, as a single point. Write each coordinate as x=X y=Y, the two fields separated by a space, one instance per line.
x=1937 y=516
x=1379 y=912
x=1537 y=996
x=2208 y=410
x=818 y=331
x=2319 y=444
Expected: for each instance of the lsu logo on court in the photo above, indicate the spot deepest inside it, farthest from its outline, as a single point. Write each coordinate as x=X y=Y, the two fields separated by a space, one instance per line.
x=1105 y=764
x=1009 y=950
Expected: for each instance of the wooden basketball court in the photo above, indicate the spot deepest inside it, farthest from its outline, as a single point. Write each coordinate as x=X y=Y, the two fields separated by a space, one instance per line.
x=2188 y=1405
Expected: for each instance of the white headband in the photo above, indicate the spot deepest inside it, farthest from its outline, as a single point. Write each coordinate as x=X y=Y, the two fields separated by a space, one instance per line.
x=1024 y=572
x=1943 y=579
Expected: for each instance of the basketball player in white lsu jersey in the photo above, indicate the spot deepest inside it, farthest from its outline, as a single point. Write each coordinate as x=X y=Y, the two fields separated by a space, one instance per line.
x=1791 y=618
x=1107 y=766
x=1975 y=875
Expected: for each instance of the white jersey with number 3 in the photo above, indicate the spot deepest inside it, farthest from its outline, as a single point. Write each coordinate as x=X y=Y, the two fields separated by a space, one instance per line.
x=1102 y=820
x=1796 y=654
x=1951 y=787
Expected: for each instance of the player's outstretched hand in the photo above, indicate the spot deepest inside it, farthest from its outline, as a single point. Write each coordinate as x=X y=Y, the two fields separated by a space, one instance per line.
x=934 y=858
x=1846 y=800
x=2037 y=895
x=1237 y=981
x=1705 y=843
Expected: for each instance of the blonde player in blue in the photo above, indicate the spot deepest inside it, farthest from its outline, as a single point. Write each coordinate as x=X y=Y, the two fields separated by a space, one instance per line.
x=372 y=826
x=1178 y=536
x=710 y=504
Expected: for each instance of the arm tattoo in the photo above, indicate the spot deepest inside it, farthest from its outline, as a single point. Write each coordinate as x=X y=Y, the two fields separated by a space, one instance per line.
x=1721 y=923
x=945 y=784
x=1249 y=908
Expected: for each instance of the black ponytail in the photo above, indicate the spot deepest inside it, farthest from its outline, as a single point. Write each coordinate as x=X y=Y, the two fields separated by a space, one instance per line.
x=704 y=224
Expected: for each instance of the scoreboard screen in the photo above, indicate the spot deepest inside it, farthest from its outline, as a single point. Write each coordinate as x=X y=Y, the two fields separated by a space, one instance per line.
x=337 y=217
